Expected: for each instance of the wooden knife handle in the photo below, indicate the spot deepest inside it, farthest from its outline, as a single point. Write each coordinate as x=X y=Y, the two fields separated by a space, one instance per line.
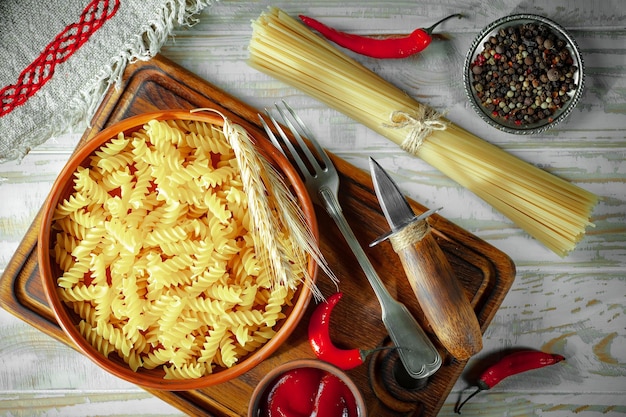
x=440 y=295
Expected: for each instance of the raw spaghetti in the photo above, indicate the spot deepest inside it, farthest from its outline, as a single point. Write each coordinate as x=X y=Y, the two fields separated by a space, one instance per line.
x=550 y=209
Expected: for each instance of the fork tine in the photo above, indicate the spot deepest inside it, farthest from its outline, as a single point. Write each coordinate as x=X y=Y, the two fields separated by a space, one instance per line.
x=298 y=136
x=271 y=135
x=308 y=134
x=285 y=140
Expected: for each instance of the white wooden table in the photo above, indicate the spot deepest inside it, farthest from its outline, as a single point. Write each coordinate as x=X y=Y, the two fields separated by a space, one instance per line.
x=575 y=306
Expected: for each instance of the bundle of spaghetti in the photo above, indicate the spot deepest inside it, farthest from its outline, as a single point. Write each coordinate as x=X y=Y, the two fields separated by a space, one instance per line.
x=552 y=210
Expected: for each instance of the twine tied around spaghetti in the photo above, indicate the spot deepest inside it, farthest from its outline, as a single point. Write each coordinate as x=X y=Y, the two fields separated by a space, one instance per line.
x=422 y=122
x=409 y=235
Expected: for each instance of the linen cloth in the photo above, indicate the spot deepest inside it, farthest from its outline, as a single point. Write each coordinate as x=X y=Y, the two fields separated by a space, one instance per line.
x=58 y=58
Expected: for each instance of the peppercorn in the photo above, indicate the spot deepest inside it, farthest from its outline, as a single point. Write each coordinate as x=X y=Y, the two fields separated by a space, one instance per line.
x=548 y=43
x=519 y=67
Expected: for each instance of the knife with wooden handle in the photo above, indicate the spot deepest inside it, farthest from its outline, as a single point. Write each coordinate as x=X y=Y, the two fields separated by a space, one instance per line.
x=438 y=291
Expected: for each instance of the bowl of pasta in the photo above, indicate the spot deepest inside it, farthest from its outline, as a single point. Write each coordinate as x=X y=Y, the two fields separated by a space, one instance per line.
x=168 y=251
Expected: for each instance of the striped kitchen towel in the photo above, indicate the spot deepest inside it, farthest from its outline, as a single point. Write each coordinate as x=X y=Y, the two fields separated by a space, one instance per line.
x=58 y=58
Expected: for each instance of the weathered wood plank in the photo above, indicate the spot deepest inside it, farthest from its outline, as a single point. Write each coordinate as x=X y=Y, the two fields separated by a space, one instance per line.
x=72 y=403
x=573 y=305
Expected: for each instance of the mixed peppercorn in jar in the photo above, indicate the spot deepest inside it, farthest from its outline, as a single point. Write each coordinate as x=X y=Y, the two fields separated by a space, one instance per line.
x=523 y=74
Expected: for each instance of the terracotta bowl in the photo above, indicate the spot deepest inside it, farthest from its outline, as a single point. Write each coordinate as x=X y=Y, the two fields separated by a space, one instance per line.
x=68 y=320
x=258 y=401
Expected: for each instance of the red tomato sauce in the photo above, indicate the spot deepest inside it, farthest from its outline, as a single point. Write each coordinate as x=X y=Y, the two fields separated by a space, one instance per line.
x=308 y=392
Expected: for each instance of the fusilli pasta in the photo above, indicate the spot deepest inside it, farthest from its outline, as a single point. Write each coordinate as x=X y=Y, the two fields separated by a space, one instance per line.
x=157 y=253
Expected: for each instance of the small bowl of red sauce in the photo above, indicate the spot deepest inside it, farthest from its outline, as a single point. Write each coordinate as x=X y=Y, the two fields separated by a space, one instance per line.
x=306 y=387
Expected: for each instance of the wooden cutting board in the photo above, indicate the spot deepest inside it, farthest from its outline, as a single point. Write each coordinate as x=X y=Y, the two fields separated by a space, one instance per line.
x=485 y=272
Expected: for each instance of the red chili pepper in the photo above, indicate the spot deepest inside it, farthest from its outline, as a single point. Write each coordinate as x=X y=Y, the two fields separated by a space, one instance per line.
x=319 y=338
x=322 y=345
x=390 y=47
x=512 y=364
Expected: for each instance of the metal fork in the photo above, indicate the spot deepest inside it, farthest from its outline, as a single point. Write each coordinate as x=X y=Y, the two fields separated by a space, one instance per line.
x=417 y=353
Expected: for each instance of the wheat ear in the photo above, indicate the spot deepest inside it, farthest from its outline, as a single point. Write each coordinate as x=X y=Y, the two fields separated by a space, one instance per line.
x=274 y=209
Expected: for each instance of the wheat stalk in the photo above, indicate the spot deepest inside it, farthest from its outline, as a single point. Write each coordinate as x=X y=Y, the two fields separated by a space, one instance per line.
x=274 y=209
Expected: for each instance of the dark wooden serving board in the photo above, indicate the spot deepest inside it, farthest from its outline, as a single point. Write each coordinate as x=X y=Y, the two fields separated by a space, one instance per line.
x=485 y=272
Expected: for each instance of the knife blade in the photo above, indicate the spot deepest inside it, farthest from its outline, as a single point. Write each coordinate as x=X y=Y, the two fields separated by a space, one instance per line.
x=437 y=289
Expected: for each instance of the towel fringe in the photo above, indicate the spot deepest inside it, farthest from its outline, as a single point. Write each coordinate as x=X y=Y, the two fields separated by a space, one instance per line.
x=84 y=104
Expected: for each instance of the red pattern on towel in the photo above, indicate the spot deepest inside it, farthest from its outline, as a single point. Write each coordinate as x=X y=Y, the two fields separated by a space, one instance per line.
x=41 y=70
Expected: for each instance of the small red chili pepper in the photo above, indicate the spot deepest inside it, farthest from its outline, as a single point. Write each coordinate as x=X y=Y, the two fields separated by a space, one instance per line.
x=322 y=345
x=390 y=47
x=512 y=364
x=319 y=338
